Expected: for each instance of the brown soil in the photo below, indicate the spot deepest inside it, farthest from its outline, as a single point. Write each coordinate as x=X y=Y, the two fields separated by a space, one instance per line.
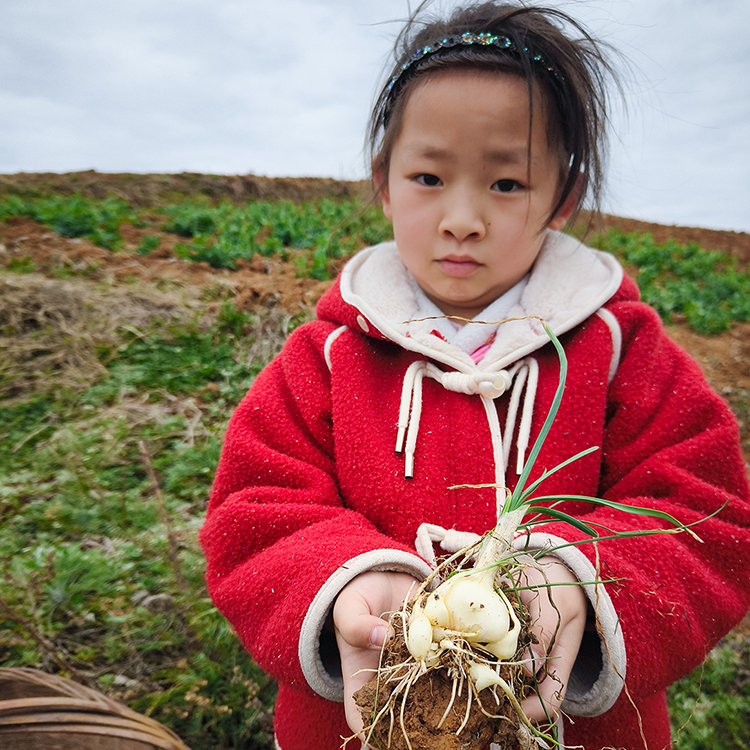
x=426 y=703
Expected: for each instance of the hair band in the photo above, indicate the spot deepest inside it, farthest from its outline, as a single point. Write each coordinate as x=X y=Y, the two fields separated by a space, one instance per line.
x=466 y=39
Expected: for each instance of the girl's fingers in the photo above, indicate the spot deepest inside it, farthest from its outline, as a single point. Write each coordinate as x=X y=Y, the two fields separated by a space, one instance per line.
x=361 y=632
x=357 y=666
x=553 y=671
x=360 y=609
x=558 y=615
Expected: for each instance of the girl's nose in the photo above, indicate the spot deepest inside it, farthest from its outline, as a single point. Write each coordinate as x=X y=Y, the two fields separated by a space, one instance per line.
x=462 y=220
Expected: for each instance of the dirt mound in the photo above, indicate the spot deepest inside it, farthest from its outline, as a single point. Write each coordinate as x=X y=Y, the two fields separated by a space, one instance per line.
x=144 y=190
x=734 y=243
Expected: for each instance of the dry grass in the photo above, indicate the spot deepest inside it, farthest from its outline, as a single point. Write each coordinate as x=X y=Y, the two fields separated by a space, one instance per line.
x=61 y=330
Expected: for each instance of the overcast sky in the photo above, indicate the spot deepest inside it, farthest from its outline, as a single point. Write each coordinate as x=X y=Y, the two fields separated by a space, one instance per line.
x=284 y=87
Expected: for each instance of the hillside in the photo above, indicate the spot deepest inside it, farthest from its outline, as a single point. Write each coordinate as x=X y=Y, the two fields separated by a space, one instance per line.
x=269 y=281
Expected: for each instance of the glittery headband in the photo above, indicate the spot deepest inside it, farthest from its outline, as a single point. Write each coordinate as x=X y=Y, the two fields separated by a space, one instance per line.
x=466 y=39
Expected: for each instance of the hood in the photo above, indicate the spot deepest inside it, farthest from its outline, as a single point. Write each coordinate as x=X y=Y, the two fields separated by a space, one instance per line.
x=568 y=282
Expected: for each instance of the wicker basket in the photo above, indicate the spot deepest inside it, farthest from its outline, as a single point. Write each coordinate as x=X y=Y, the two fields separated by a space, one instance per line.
x=39 y=711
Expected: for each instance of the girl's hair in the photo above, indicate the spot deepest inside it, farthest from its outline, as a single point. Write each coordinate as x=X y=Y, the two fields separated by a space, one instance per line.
x=544 y=46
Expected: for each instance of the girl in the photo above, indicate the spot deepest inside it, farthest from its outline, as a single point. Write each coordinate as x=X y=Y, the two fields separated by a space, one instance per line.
x=486 y=140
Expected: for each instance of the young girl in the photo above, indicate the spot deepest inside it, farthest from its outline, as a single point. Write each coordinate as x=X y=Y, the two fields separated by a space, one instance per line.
x=335 y=487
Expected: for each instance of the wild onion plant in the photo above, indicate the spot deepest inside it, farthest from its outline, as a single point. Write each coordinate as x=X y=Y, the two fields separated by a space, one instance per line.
x=467 y=621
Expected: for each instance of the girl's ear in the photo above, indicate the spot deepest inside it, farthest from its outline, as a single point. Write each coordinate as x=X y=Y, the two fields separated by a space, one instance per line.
x=381 y=184
x=560 y=219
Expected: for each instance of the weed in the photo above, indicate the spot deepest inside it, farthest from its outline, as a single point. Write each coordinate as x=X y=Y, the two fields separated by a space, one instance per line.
x=21 y=265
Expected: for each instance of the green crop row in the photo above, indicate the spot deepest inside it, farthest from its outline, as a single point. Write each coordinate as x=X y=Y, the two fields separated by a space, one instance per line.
x=321 y=231
x=705 y=287
x=327 y=229
x=74 y=216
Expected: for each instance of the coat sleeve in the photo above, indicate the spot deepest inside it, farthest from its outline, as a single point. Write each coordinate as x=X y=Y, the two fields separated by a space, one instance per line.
x=277 y=528
x=670 y=444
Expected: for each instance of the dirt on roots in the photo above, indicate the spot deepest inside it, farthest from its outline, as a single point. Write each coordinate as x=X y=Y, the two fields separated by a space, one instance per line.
x=437 y=711
x=428 y=722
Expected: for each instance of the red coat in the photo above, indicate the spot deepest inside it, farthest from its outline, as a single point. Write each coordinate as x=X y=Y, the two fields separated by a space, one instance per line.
x=309 y=490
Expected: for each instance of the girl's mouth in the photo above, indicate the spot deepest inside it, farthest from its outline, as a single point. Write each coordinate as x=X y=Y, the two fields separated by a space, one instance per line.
x=458 y=266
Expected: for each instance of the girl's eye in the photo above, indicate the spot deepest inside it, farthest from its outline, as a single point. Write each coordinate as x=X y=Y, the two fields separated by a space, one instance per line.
x=428 y=180
x=506 y=186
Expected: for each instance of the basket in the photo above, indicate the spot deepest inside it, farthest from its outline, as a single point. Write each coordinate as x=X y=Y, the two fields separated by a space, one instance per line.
x=39 y=711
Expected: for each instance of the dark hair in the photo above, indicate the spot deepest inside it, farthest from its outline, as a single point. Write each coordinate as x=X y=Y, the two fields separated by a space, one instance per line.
x=544 y=46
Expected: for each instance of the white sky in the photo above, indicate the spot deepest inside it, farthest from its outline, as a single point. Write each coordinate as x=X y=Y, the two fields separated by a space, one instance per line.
x=284 y=88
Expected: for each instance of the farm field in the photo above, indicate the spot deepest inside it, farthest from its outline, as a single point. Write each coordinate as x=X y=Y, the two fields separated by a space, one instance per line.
x=135 y=310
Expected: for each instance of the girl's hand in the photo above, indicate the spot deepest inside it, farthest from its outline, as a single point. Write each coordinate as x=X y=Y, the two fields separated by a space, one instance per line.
x=559 y=612
x=361 y=630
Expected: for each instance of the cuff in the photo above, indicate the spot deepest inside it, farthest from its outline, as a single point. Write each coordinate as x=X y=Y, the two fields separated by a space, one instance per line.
x=323 y=675
x=599 y=673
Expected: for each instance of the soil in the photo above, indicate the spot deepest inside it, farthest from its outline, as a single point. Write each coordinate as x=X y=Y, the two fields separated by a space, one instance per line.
x=427 y=701
x=426 y=721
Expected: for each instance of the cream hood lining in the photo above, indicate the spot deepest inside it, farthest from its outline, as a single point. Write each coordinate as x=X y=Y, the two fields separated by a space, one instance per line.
x=568 y=283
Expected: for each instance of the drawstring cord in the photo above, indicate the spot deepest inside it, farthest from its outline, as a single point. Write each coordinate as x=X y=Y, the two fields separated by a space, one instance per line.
x=527 y=369
x=488 y=386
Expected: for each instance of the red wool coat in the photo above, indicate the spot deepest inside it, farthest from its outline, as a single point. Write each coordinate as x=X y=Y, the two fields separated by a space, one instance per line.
x=310 y=491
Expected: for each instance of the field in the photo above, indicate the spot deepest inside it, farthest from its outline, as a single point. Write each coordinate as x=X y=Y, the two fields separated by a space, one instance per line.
x=135 y=310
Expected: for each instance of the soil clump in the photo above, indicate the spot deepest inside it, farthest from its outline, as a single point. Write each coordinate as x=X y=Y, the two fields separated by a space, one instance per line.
x=428 y=698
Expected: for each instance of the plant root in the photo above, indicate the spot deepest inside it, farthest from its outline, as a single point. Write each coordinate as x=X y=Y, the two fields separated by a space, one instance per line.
x=410 y=705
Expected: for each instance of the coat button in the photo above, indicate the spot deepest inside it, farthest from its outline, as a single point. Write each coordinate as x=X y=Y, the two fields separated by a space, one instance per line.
x=362 y=323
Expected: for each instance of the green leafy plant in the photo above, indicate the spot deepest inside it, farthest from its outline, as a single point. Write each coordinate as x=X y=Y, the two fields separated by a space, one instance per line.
x=21 y=265
x=705 y=287
x=326 y=229
x=148 y=244
x=74 y=216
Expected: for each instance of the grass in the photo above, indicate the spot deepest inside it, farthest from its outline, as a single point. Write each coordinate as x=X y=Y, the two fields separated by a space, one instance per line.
x=110 y=434
x=101 y=494
x=709 y=707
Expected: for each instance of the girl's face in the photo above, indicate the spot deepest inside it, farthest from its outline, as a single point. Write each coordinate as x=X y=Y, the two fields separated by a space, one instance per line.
x=468 y=207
